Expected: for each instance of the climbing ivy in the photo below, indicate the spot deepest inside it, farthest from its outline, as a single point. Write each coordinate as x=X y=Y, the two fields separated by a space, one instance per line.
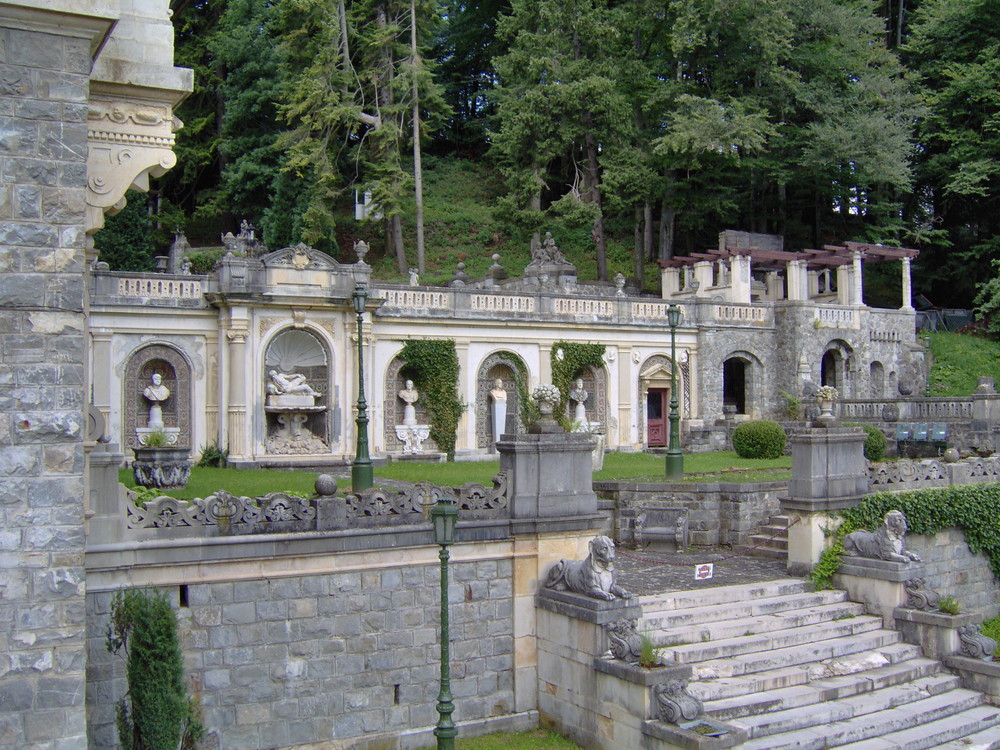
x=433 y=367
x=973 y=508
x=575 y=358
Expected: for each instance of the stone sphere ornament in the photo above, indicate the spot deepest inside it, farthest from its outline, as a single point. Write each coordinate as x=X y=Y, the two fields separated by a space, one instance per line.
x=951 y=455
x=326 y=485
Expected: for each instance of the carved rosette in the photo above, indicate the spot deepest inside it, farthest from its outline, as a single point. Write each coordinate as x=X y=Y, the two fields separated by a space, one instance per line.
x=128 y=141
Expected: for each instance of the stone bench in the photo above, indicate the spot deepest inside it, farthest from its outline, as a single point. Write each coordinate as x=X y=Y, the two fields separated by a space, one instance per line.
x=661 y=526
x=921 y=439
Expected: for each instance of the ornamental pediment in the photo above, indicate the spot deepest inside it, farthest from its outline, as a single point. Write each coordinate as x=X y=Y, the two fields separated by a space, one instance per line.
x=300 y=257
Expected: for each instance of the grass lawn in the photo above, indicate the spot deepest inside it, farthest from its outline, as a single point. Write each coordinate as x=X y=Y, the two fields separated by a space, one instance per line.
x=535 y=739
x=721 y=466
x=959 y=360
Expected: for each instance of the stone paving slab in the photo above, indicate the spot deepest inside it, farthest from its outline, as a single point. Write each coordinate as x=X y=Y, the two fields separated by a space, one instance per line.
x=645 y=573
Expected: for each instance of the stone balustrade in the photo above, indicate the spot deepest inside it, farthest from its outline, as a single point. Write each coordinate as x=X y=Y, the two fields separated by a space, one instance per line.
x=837 y=317
x=743 y=314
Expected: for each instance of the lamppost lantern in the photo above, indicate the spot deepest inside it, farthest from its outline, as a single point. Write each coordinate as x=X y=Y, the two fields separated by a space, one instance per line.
x=362 y=474
x=360 y=296
x=675 y=459
x=674 y=316
x=444 y=517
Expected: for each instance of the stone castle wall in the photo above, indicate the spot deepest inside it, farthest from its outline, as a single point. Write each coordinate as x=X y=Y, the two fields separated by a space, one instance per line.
x=43 y=145
x=953 y=570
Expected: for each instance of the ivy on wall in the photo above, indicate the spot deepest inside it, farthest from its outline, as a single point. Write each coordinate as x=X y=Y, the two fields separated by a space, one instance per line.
x=973 y=508
x=433 y=367
x=575 y=358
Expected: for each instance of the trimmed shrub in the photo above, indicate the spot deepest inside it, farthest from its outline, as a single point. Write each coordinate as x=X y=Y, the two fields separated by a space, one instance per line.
x=875 y=443
x=759 y=439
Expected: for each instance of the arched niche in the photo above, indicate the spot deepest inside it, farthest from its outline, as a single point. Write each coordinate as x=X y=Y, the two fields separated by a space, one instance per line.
x=595 y=383
x=654 y=395
x=877 y=380
x=396 y=375
x=500 y=365
x=175 y=371
x=298 y=355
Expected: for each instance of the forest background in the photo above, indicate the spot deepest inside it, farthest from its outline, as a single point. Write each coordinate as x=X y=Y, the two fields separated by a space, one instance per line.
x=633 y=130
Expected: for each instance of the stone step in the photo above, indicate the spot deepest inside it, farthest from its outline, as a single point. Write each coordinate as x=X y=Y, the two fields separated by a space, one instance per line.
x=807 y=715
x=832 y=648
x=674 y=600
x=848 y=723
x=713 y=630
x=769 y=553
x=987 y=739
x=885 y=666
x=768 y=542
x=699 y=614
x=813 y=692
x=771 y=641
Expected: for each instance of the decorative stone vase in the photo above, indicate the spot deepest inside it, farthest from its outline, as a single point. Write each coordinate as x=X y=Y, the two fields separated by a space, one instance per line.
x=163 y=467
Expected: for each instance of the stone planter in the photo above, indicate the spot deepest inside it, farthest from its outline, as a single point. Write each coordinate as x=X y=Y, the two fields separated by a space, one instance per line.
x=163 y=467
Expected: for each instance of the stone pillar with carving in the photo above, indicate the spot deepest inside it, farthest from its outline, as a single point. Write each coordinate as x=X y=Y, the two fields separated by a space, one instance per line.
x=857 y=283
x=907 y=285
x=236 y=335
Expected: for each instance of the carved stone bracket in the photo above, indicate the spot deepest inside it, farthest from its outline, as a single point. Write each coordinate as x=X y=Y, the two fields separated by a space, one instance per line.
x=918 y=596
x=129 y=140
x=674 y=703
x=626 y=643
x=975 y=645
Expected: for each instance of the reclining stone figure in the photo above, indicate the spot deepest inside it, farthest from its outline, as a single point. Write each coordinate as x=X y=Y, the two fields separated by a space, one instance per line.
x=885 y=543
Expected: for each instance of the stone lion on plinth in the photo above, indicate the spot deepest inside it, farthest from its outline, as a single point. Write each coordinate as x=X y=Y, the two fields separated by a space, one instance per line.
x=886 y=543
x=595 y=576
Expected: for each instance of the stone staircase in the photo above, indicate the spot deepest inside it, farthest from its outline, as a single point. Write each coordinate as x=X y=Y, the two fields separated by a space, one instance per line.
x=802 y=670
x=771 y=540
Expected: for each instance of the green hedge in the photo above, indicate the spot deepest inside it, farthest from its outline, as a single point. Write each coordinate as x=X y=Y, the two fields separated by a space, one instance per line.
x=875 y=443
x=759 y=439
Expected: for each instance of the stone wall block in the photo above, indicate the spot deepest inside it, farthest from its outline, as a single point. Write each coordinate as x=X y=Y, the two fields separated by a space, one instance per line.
x=61 y=87
x=47 y=427
x=24 y=290
x=20 y=461
x=18 y=137
x=27 y=202
x=15 y=81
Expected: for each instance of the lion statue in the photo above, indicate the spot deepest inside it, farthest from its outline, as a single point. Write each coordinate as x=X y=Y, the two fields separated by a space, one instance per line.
x=594 y=576
x=886 y=543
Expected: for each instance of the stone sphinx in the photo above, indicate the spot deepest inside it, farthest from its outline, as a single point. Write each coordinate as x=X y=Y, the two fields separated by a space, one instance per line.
x=885 y=543
x=594 y=576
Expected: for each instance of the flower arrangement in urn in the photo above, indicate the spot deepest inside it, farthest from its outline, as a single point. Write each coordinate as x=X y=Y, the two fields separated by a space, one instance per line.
x=546 y=396
x=827 y=393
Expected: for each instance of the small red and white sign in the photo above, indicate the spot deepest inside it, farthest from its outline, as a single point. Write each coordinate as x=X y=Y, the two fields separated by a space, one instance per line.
x=704 y=571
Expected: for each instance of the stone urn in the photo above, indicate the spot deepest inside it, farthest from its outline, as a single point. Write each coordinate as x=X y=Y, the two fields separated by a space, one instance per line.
x=163 y=467
x=546 y=397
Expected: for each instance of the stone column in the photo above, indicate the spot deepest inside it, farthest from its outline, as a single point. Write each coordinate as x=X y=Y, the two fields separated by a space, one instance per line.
x=828 y=473
x=796 y=271
x=237 y=409
x=740 y=278
x=857 y=282
x=843 y=285
x=670 y=281
x=907 y=285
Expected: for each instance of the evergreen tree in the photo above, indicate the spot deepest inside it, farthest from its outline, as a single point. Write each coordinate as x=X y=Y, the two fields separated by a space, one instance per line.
x=125 y=242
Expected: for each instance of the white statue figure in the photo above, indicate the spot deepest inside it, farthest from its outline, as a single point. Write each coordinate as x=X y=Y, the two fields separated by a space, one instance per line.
x=409 y=396
x=291 y=384
x=156 y=393
x=579 y=395
x=499 y=397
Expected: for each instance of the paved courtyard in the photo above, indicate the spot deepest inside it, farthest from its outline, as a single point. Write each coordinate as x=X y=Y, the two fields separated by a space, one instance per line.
x=652 y=573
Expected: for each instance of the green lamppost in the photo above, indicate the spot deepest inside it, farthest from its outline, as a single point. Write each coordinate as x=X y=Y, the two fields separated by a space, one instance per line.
x=361 y=470
x=444 y=516
x=675 y=459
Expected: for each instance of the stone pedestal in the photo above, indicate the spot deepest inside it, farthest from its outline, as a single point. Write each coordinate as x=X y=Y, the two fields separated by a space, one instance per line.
x=878 y=584
x=412 y=436
x=550 y=480
x=828 y=473
x=935 y=632
x=107 y=524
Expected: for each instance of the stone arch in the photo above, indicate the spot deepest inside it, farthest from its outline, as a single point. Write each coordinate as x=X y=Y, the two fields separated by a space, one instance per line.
x=175 y=370
x=741 y=378
x=501 y=365
x=835 y=365
x=654 y=392
x=396 y=375
x=303 y=352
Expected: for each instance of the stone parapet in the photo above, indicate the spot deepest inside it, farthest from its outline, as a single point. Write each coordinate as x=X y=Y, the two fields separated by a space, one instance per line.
x=550 y=475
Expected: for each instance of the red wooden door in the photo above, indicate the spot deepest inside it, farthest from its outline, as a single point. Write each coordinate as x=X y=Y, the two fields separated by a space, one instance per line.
x=656 y=417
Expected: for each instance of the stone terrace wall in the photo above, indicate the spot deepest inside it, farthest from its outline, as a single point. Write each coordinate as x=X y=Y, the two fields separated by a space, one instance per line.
x=952 y=570
x=718 y=512
x=322 y=658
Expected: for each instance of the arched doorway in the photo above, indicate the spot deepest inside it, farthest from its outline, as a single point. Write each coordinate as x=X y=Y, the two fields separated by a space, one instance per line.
x=828 y=368
x=734 y=384
x=654 y=394
x=877 y=380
